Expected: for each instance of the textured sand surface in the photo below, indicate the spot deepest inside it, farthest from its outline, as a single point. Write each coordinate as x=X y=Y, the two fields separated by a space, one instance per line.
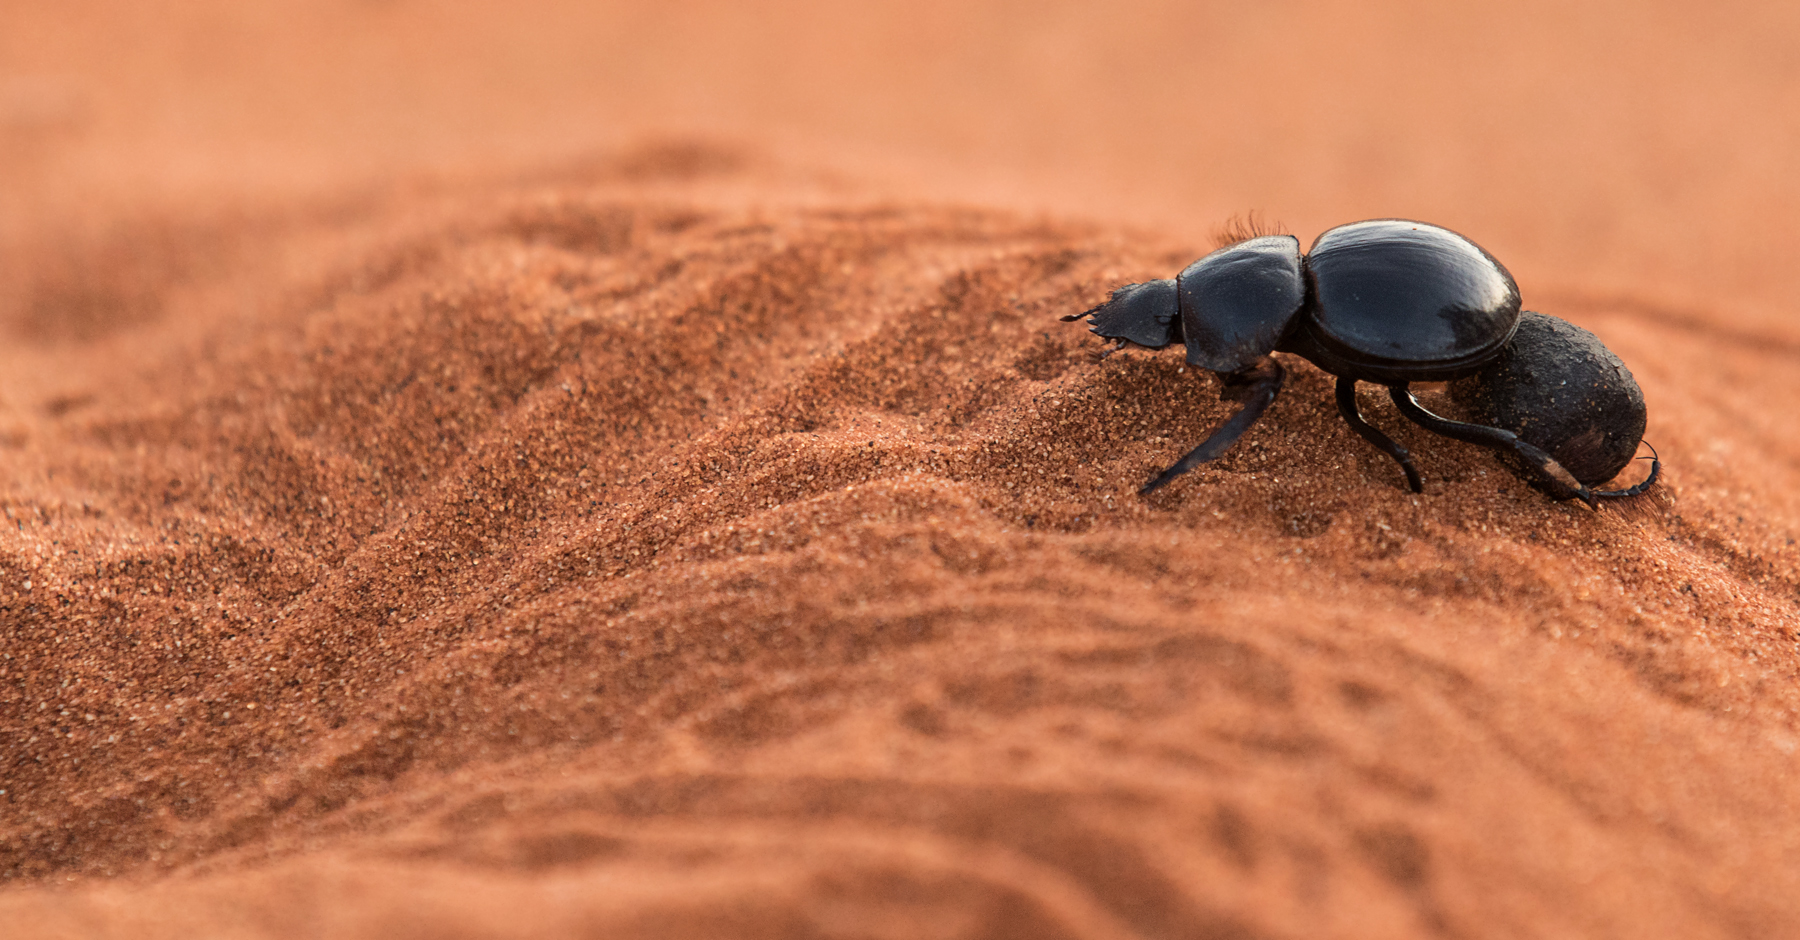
x=620 y=472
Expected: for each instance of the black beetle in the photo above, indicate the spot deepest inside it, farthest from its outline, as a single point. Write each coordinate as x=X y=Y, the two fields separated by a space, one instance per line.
x=1394 y=302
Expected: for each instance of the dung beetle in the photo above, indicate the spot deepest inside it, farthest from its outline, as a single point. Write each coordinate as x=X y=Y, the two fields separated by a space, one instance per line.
x=1393 y=302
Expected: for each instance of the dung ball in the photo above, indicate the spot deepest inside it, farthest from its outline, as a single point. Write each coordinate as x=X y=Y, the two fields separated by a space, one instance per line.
x=1558 y=387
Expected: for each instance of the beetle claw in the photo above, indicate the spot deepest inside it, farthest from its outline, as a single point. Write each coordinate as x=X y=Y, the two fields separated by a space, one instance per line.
x=1641 y=486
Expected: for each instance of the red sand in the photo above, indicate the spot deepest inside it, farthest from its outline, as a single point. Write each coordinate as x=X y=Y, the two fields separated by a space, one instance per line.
x=620 y=472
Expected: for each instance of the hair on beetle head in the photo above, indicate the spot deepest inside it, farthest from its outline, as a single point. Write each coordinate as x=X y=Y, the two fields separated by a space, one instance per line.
x=1242 y=228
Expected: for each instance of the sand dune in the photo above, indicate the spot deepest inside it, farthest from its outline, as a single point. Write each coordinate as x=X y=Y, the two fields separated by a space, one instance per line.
x=585 y=561
x=445 y=499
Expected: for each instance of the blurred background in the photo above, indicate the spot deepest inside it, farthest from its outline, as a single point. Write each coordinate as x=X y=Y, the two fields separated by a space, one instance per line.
x=1634 y=153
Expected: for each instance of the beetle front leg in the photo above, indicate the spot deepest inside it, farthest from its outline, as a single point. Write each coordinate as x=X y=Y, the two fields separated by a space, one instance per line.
x=1256 y=387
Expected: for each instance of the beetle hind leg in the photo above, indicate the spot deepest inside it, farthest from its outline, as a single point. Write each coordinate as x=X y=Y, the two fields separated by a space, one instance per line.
x=1643 y=485
x=1551 y=477
x=1346 y=402
x=1256 y=387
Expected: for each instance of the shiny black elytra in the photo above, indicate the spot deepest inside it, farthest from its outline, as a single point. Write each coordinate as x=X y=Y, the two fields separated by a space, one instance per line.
x=1394 y=302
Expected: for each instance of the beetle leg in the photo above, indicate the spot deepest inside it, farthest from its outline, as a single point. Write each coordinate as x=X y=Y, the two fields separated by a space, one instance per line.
x=1645 y=484
x=1555 y=480
x=1346 y=402
x=1256 y=387
x=1115 y=347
